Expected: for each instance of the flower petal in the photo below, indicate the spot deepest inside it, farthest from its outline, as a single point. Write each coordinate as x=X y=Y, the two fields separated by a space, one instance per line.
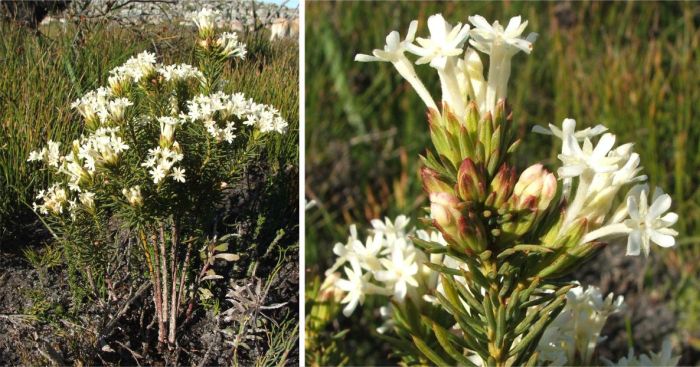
x=662 y=240
x=634 y=242
x=660 y=206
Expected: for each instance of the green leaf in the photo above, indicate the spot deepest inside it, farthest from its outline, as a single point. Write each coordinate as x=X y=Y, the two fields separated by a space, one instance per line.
x=443 y=337
x=429 y=246
x=429 y=353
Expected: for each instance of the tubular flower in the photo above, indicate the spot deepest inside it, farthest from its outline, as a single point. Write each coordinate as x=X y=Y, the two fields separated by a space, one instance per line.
x=501 y=45
x=645 y=224
x=445 y=41
x=441 y=50
x=357 y=287
x=133 y=196
x=393 y=52
x=205 y=20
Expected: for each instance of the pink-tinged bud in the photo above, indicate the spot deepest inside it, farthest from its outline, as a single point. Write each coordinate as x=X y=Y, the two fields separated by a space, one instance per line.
x=444 y=209
x=538 y=183
x=502 y=184
x=549 y=189
x=471 y=185
x=432 y=182
x=462 y=231
x=531 y=175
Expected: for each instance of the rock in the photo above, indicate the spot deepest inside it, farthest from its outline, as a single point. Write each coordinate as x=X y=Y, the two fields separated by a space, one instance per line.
x=234 y=14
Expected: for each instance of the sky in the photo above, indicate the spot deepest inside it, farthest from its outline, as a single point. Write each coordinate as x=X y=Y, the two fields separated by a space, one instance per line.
x=290 y=3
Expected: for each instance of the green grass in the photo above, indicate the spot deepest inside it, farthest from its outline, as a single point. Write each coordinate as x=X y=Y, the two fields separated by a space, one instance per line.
x=42 y=75
x=631 y=66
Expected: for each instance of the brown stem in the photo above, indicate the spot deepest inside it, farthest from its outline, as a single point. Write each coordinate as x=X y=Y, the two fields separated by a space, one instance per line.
x=158 y=295
x=164 y=270
x=183 y=275
x=174 y=239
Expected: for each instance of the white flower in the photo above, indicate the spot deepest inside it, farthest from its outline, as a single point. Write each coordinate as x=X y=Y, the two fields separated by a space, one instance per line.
x=576 y=330
x=343 y=251
x=393 y=52
x=178 y=174
x=134 y=68
x=486 y=37
x=92 y=104
x=231 y=46
x=357 y=287
x=167 y=128
x=205 y=19
x=51 y=154
x=587 y=159
x=203 y=108
x=400 y=272
x=158 y=173
x=445 y=41
x=133 y=196
x=501 y=45
x=55 y=199
x=647 y=223
x=180 y=72
x=88 y=199
x=569 y=128
x=367 y=254
x=665 y=358
x=390 y=229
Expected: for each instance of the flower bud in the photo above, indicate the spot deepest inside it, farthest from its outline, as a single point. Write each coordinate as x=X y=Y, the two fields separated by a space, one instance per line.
x=465 y=233
x=502 y=185
x=444 y=209
x=328 y=290
x=432 y=182
x=88 y=200
x=133 y=196
x=535 y=188
x=167 y=130
x=471 y=184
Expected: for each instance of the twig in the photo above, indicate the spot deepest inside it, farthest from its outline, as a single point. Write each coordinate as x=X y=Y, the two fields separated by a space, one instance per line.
x=133 y=354
x=107 y=331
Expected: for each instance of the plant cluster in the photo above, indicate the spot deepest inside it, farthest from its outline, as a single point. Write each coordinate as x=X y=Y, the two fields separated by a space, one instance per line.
x=160 y=145
x=486 y=283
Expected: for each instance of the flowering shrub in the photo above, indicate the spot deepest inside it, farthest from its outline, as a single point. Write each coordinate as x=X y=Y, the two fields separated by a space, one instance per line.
x=483 y=284
x=160 y=145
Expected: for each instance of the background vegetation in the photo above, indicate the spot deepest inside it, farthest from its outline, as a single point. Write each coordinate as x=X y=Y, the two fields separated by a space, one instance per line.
x=634 y=67
x=42 y=73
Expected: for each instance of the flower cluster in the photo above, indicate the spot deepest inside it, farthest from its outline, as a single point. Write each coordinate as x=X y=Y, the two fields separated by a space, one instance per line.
x=660 y=359
x=134 y=69
x=161 y=162
x=179 y=72
x=226 y=107
x=574 y=334
x=98 y=107
x=49 y=154
x=55 y=199
x=460 y=71
x=226 y=45
x=231 y=46
x=205 y=20
x=114 y=128
x=387 y=263
x=601 y=171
